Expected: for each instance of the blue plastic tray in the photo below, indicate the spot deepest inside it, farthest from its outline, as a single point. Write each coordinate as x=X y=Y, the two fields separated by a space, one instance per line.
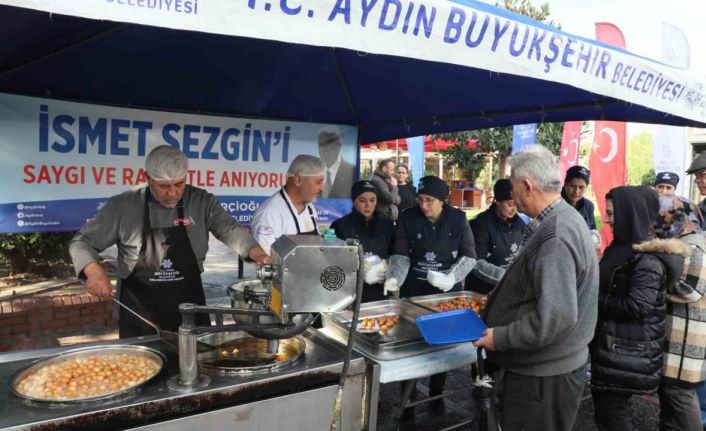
x=447 y=327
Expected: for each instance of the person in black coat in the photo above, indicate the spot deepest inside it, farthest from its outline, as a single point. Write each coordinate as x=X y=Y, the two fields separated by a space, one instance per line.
x=497 y=233
x=575 y=184
x=627 y=349
x=374 y=231
x=407 y=192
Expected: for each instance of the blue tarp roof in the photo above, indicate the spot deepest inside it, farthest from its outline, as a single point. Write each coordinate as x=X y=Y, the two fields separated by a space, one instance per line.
x=386 y=96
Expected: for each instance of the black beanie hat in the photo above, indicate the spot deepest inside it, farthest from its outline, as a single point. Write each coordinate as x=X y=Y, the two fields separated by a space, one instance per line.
x=434 y=187
x=667 y=178
x=361 y=187
x=578 y=172
x=502 y=190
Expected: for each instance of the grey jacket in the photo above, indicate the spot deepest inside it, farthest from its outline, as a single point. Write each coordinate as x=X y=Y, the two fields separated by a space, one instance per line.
x=120 y=222
x=544 y=308
x=387 y=195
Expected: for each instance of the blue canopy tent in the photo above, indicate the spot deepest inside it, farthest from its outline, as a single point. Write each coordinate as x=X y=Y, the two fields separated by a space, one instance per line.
x=46 y=53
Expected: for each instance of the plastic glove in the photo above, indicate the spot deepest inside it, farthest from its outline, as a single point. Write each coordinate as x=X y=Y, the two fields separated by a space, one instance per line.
x=391 y=286
x=376 y=273
x=488 y=272
x=369 y=261
x=441 y=281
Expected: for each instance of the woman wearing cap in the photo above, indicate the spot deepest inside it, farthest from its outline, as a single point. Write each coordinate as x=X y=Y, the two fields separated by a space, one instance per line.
x=374 y=231
x=497 y=233
x=575 y=185
x=666 y=183
x=433 y=253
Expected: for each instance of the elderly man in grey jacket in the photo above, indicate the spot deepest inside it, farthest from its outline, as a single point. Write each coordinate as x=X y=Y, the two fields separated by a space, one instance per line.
x=161 y=231
x=542 y=314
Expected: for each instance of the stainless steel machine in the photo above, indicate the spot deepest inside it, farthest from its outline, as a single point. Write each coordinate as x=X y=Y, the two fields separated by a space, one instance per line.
x=265 y=367
x=308 y=274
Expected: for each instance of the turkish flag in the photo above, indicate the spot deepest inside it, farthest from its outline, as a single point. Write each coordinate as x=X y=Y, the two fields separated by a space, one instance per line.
x=569 y=152
x=607 y=162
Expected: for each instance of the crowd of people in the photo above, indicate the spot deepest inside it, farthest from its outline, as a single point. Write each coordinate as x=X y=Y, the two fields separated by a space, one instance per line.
x=637 y=317
x=634 y=315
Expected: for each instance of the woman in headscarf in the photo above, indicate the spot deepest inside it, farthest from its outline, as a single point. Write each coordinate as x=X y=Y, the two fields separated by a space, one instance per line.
x=374 y=231
x=685 y=362
x=627 y=349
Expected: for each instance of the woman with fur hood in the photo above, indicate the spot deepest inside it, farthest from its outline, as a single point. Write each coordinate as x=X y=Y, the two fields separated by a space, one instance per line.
x=685 y=356
x=627 y=349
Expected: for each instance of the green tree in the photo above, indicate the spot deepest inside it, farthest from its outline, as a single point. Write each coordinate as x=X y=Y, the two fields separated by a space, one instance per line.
x=498 y=141
x=23 y=252
x=639 y=160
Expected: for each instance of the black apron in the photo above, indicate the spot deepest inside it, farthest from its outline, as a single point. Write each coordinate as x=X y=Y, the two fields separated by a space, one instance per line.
x=296 y=221
x=431 y=247
x=166 y=275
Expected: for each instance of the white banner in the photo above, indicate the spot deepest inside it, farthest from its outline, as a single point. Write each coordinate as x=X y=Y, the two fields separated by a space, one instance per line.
x=669 y=143
x=434 y=30
x=61 y=160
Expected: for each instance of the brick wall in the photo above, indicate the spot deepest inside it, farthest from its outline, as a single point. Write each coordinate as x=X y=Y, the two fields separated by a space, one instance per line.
x=59 y=315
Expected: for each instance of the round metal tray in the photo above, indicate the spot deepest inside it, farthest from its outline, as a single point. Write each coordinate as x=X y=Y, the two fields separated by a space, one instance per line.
x=250 y=354
x=130 y=350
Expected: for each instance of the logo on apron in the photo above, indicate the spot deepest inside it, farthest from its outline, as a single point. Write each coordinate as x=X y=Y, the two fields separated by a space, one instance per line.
x=186 y=221
x=430 y=256
x=166 y=272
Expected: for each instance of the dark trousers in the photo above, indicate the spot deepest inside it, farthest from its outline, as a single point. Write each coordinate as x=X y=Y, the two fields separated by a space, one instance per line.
x=679 y=408
x=533 y=403
x=611 y=411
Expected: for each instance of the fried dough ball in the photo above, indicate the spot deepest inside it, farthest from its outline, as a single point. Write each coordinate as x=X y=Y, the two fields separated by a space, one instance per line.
x=87 y=376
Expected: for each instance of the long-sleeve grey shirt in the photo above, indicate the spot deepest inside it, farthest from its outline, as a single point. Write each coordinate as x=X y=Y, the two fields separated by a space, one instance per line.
x=120 y=222
x=544 y=308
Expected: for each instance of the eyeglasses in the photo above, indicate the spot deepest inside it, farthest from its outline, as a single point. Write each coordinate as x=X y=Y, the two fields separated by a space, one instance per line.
x=700 y=176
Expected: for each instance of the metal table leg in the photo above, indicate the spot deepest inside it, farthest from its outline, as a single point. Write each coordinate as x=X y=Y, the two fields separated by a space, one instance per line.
x=394 y=416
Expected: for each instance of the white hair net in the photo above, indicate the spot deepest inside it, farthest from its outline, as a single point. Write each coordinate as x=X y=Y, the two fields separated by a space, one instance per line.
x=166 y=163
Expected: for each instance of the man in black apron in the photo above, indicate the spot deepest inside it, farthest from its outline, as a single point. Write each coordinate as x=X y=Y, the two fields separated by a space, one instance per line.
x=161 y=232
x=291 y=211
x=165 y=276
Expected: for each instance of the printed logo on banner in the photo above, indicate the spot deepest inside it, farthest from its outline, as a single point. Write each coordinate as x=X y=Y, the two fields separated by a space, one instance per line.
x=183 y=7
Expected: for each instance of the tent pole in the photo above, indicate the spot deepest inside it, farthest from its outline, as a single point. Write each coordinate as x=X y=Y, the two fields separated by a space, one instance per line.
x=344 y=86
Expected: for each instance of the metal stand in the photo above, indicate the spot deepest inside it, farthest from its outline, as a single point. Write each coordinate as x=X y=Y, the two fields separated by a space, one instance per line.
x=189 y=377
